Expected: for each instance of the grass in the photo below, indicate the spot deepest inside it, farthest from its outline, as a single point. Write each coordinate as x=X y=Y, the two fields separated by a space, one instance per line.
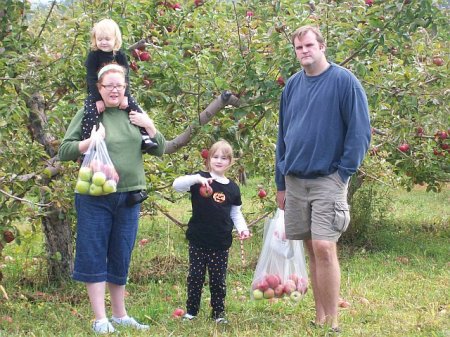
x=397 y=287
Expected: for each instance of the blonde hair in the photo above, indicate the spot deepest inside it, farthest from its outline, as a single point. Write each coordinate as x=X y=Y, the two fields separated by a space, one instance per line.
x=300 y=32
x=226 y=149
x=106 y=27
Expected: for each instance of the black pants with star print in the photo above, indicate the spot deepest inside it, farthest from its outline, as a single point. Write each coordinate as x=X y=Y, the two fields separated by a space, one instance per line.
x=90 y=118
x=215 y=262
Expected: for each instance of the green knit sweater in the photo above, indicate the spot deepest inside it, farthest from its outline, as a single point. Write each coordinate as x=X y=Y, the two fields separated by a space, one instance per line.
x=123 y=141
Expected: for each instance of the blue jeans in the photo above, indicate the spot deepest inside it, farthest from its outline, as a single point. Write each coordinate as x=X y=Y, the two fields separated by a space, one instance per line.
x=106 y=233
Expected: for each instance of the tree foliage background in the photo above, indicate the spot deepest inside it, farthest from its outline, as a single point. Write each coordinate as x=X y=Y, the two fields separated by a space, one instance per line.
x=397 y=48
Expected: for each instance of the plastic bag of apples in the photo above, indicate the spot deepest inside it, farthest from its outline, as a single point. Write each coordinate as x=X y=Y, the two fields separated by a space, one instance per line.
x=97 y=175
x=281 y=269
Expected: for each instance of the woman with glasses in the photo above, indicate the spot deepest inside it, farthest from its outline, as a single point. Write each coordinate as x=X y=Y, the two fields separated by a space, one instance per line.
x=106 y=41
x=107 y=225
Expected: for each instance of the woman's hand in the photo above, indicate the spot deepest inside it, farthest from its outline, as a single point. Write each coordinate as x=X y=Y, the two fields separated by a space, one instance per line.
x=144 y=121
x=83 y=146
x=98 y=132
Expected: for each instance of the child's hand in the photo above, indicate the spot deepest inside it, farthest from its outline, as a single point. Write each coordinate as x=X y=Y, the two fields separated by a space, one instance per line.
x=204 y=181
x=124 y=104
x=100 y=106
x=244 y=235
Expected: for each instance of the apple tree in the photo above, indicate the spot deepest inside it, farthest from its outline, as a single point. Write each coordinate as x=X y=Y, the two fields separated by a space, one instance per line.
x=206 y=70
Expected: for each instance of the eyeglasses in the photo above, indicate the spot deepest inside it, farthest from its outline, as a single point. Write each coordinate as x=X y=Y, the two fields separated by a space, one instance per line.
x=111 y=87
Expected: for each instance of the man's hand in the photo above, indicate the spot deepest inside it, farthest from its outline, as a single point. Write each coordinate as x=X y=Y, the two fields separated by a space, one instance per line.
x=281 y=199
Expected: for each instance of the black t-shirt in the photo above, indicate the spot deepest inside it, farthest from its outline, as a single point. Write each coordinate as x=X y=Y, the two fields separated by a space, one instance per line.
x=210 y=225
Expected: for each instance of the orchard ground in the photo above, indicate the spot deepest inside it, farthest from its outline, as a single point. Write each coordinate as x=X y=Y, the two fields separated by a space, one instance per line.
x=396 y=286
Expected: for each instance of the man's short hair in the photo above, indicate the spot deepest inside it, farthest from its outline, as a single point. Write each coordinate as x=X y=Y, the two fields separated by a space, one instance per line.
x=300 y=32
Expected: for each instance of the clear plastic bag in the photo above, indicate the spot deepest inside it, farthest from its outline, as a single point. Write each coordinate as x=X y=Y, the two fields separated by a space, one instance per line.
x=281 y=268
x=97 y=175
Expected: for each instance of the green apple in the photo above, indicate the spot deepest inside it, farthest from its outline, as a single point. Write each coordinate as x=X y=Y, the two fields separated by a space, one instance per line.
x=99 y=178
x=85 y=173
x=258 y=294
x=109 y=186
x=95 y=190
x=82 y=186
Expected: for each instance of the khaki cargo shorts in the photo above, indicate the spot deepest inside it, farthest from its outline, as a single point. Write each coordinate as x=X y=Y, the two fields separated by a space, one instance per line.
x=316 y=208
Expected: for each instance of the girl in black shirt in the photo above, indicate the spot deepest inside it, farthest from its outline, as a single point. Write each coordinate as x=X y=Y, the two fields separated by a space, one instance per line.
x=216 y=207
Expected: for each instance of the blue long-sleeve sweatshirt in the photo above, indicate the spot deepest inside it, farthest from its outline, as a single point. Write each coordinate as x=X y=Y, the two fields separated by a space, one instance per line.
x=324 y=126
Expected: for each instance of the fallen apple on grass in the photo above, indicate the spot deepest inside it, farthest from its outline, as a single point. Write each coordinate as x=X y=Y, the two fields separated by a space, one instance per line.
x=177 y=313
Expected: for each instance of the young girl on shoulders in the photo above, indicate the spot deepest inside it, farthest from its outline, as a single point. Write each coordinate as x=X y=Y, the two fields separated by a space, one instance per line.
x=216 y=208
x=106 y=41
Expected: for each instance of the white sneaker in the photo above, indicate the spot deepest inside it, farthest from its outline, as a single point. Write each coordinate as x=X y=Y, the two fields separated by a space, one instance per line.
x=129 y=322
x=103 y=327
x=188 y=317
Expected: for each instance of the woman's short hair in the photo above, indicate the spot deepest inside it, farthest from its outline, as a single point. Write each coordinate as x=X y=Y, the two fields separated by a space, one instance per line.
x=106 y=27
x=226 y=149
x=300 y=32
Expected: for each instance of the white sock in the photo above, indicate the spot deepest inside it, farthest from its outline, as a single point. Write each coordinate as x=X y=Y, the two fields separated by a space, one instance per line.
x=101 y=320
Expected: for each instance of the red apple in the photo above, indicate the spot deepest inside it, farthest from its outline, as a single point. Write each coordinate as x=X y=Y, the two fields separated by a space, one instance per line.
x=145 y=56
x=294 y=277
x=250 y=14
x=134 y=66
x=8 y=236
x=198 y=3
x=262 y=193
x=176 y=6
x=369 y=2
x=177 y=313
x=279 y=290
x=289 y=287
x=420 y=131
x=204 y=153
x=262 y=285
x=272 y=281
x=135 y=53
x=404 y=147
x=438 y=61
x=441 y=135
x=206 y=191
x=280 y=81
x=269 y=293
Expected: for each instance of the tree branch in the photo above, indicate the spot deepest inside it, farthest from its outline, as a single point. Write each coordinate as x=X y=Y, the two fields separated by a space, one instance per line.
x=226 y=98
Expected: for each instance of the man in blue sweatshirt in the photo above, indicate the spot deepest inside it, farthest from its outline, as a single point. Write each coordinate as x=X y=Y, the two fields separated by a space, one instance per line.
x=324 y=133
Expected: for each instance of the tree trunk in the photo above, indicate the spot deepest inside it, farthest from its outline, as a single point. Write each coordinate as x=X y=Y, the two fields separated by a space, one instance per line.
x=58 y=244
x=55 y=224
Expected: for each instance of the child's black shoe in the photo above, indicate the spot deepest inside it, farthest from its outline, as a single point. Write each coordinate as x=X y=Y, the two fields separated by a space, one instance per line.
x=147 y=144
